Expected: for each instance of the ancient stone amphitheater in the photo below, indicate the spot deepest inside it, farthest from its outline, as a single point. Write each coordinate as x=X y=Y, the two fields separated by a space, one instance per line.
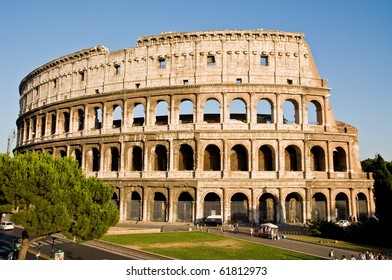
x=236 y=123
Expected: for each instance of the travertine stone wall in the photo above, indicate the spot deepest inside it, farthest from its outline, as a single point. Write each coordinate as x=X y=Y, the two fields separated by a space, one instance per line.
x=121 y=115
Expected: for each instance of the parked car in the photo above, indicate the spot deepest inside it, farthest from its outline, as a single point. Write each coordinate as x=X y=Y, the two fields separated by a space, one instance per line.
x=343 y=223
x=7 y=225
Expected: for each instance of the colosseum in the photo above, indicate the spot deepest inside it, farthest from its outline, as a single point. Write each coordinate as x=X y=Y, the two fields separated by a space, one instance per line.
x=236 y=123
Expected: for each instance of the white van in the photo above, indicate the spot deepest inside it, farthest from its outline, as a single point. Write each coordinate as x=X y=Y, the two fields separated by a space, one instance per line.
x=213 y=220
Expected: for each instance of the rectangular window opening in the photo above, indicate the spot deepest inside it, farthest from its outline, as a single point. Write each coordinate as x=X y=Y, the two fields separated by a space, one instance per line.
x=118 y=69
x=186 y=82
x=82 y=76
x=162 y=63
x=289 y=81
x=238 y=81
x=264 y=60
x=211 y=60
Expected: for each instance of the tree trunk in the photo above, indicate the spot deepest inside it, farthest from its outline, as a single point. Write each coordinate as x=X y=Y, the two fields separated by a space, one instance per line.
x=23 y=249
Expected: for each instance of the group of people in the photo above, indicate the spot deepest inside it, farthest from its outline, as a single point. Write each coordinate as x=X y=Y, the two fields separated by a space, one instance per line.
x=362 y=256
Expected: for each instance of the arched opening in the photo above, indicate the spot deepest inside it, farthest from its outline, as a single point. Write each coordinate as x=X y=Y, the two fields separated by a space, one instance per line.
x=212 y=158
x=294 y=208
x=317 y=159
x=238 y=158
x=290 y=112
x=137 y=159
x=239 y=208
x=319 y=207
x=265 y=111
x=117 y=116
x=267 y=208
x=362 y=206
x=161 y=113
x=160 y=207
x=212 y=205
x=238 y=111
x=43 y=126
x=52 y=127
x=95 y=160
x=339 y=160
x=66 y=120
x=97 y=118
x=211 y=112
x=138 y=115
x=80 y=120
x=292 y=157
x=341 y=207
x=160 y=160
x=266 y=159
x=185 y=161
x=135 y=207
x=115 y=156
x=315 y=113
x=78 y=157
x=186 y=112
x=185 y=208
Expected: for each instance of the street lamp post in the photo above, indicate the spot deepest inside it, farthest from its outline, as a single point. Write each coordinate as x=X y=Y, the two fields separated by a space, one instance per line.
x=10 y=139
x=51 y=254
x=39 y=250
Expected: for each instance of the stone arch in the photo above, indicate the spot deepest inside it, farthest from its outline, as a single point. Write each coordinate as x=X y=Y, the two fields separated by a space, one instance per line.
x=98 y=117
x=160 y=208
x=319 y=206
x=80 y=119
x=185 y=158
x=138 y=115
x=341 y=206
x=266 y=158
x=239 y=205
x=265 y=113
x=93 y=160
x=362 y=206
x=239 y=158
x=212 y=158
x=211 y=112
x=292 y=158
x=134 y=207
x=267 y=208
x=162 y=113
x=115 y=159
x=186 y=114
x=317 y=159
x=291 y=112
x=339 y=160
x=212 y=205
x=137 y=159
x=294 y=209
x=315 y=113
x=117 y=116
x=238 y=110
x=160 y=158
x=185 y=207
x=77 y=154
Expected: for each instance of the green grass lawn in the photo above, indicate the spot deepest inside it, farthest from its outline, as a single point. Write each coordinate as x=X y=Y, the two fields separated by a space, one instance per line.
x=203 y=246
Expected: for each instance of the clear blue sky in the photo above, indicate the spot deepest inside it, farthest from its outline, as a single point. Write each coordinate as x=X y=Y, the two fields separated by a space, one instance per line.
x=351 y=42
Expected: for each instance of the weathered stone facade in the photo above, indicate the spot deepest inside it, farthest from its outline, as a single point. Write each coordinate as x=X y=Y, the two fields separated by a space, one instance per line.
x=187 y=125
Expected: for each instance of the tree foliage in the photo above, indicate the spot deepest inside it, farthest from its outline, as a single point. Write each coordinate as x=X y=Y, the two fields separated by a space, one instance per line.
x=48 y=195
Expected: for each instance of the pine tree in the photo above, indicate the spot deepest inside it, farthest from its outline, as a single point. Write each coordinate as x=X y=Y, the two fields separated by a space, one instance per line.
x=48 y=195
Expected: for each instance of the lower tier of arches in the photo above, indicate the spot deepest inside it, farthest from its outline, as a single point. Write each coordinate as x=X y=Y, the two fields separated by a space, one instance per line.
x=187 y=204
